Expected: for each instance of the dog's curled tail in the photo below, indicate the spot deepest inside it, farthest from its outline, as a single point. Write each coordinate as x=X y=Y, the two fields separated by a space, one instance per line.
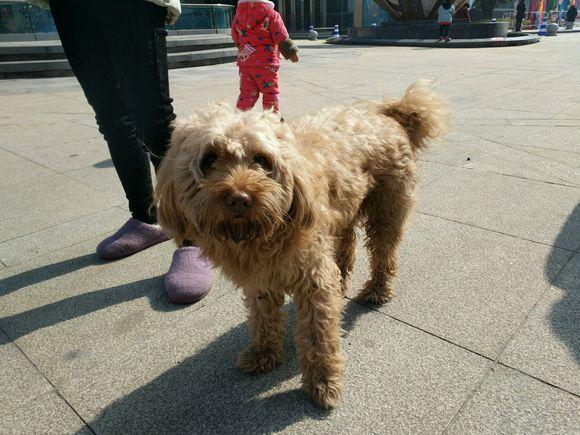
x=420 y=112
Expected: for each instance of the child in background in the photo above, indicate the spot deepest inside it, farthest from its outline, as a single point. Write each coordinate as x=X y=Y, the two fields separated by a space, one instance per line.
x=260 y=35
x=446 y=11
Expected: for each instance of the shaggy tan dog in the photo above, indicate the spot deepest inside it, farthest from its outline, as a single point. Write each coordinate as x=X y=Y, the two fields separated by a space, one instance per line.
x=275 y=206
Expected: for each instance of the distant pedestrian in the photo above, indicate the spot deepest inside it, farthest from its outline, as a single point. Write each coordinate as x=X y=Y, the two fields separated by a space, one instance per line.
x=463 y=13
x=571 y=17
x=520 y=14
x=445 y=18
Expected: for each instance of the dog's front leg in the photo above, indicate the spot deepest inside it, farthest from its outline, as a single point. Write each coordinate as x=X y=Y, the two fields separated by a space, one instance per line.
x=266 y=320
x=318 y=334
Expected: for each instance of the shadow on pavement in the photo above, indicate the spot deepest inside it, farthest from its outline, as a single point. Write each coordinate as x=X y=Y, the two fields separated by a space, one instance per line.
x=104 y=164
x=564 y=314
x=207 y=394
x=29 y=321
x=45 y=273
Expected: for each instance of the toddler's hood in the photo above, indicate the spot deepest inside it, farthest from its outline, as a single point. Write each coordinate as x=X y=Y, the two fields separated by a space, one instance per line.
x=251 y=13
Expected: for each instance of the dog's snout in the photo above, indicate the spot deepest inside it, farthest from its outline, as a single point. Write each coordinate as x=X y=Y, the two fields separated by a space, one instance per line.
x=239 y=202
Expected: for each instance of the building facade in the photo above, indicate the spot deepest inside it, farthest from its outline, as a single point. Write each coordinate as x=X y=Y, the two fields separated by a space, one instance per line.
x=299 y=15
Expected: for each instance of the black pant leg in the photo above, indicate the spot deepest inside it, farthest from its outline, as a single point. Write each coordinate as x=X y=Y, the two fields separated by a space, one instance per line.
x=137 y=35
x=89 y=54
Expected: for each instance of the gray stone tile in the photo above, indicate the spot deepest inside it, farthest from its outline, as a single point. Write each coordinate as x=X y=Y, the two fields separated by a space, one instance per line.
x=57 y=237
x=69 y=156
x=555 y=121
x=569 y=158
x=395 y=378
x=70 y=311
x=463 y=132
x=450 y=153
x=83 y=119
x=47 y=414
x=537 y=100
x=17 y=171
x=20 y=381
x=510 y=402
x=102 y=177
x=29 y=209
x=523 y=163
x=514 y=116
x=33 y=102
x=523 y=208
x=546 y=136
x=572 y=112
x=48 y=131
x=467 y=285
x=548 y=344
x=430 y=171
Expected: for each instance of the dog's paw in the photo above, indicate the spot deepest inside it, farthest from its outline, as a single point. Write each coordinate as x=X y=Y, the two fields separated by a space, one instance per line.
x=375 y=294
x=258 y=360
x=326 y=394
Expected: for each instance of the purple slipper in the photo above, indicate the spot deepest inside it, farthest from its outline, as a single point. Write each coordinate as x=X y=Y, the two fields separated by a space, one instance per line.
x=132 y=237
x=189 y=277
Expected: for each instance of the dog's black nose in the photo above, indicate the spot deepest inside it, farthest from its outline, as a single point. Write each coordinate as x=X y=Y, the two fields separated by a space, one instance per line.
x=239 y=202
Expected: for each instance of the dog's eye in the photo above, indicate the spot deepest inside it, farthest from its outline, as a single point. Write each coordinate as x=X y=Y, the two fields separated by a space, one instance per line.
x=207 y=161
x=263 y=161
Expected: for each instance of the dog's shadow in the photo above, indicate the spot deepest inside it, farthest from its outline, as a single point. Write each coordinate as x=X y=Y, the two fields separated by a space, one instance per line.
x=207 y=394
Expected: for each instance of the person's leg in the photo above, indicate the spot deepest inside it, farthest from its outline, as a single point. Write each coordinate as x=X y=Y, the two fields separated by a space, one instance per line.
x=441 y=31
x=136 y=33
x=248 y=89
x=447 y=28
x=83 y=40
x=267 y=80
x=88 y=53
x=136 y=29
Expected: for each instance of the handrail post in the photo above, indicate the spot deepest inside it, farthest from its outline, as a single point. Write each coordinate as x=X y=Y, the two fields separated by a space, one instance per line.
x=29 y=17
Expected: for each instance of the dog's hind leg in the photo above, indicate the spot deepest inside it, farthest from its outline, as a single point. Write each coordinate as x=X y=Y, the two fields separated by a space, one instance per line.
x=385 y=210
x=266 y=320
x=344 y=254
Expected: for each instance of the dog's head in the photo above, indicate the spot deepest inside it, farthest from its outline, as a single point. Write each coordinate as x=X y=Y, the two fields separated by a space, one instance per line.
x=232 y=177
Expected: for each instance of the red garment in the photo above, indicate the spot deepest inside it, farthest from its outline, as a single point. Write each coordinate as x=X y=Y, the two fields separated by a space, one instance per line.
x=258 y=30
x=254 y=80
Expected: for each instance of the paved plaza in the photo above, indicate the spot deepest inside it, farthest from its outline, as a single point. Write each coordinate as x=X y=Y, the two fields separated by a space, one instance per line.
x=483 y=336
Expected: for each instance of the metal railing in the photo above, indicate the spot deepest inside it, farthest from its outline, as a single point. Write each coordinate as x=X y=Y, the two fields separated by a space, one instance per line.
x=204 y=16
x=533 y=20
x=19 y=17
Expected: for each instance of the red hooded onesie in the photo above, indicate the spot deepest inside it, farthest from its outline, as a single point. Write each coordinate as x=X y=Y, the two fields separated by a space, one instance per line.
x=258 y=30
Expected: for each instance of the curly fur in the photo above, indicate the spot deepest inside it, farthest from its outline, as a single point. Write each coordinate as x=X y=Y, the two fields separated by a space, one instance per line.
x=311 y=181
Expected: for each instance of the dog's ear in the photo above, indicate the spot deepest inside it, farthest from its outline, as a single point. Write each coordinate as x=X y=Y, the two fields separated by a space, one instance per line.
x=302 y=213
x=170 y=215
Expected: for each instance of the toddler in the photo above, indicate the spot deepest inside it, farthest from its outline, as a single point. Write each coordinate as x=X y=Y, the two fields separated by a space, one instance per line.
x=445 y=18
x=260 y=35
